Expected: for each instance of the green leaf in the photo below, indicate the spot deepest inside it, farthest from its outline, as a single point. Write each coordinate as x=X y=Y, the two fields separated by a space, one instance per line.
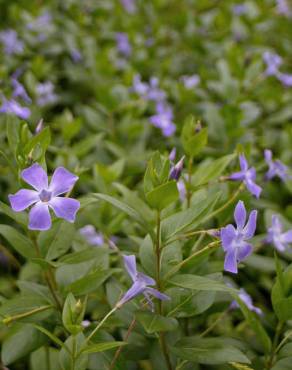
x=19 y=217
x=72 y=314
x=211 y=171
x=87 y=254
x=208 y=351
x=163 y=195
x=50 y=335
x=283 y=364
x=38 y=144
x=57 y=240
x=193 y=142
x=101 y=347
x=18 y=241
x=75 y=344
x=281 y=292
x=90 y=282
x=153 y=323
x=45 y=358
x=22 y=340
x=199 y=283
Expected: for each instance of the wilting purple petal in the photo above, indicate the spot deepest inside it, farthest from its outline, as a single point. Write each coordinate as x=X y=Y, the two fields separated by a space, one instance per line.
x=65 y=207
x=39 y=217
x=145 y=279
x=130 y=264
x=230 y=263
x=23 y=199
x=227 y=235
x=251 y=225
x=91 y=236
x=157 y=294
x=62 y=181
x=240 y=215
x=36 y=177
x=135 y=290
x=246 y=299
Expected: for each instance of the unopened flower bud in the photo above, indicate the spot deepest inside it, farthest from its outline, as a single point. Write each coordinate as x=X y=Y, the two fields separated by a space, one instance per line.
x=172 y=155
x=176 y=170
x=78 y=307
x=198 y=127
x=40 y=126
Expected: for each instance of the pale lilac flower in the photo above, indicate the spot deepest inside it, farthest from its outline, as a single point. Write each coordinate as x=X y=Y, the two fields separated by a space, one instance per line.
x=129 y=6
x=239 y=9
x=141 y=284
x=234 y=239
x=172 y=155
x=46 y=94
x=13 y=107
x=76 y=55
x=181 y=187
x=40 y=23
x=39 y=126
x=123 y=44
x=139 y=87
x=11 y=43
x=248 y=176
x=285 y=78
x=163 y=119
x=85 y=323
x=190 y=81
x=45 y=196
x=273 y=62
x=283 y=8
x=247 y=300
x=154 y=92
x=276 y=235
x=91 y=236
x=19 y=90
x=276 y=168
x=176 y=170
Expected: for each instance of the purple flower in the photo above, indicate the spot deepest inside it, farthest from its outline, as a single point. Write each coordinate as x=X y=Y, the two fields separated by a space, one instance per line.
x=141 y=283
x=45 y=196
x=190 y=81
x=19 y=90
x=273 y=62
x=76 y=55
x=12 y=45
x=247 y=300
x=172 y=155
x=181 y=187
x=276 y=168
x=139 y=87
x=40 y=126
x=277 y=237
x=45 y=92
x=239 y=9
x=234 y=240
x=283 y=8
x=129 y=6
x=91 y=236
x=285 y=78
x=154 y=92
x=176 y=170
x=123 y=44
x=13 y=107
x=248 y=176
x=163 y=119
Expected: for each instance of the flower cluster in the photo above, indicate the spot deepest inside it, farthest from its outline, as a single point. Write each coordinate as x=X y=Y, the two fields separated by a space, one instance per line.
x=273 y=62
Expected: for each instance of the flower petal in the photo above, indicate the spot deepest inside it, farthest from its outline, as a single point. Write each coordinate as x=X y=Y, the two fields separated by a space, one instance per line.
x=268 y=155
x=130 y=265
x=36 y=177
x=65 y=207
x=23 y=199
x=240 y=214
x=276 y=224
x=251 y=225
x=157 y=294
x=62 y=181
x=145 y=279
x=227 y=235
x=135 y=290
x=244 y=251
x=39 y=217
x=253 y=188
x=230 y=263
x=243 y=163
x=287 y=237
x=237 y=176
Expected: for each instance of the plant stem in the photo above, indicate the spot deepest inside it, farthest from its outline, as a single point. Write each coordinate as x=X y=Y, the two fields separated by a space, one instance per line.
x=10 y=319
x=212 y=326
x=158 y=283
x=279 y=328
x=101 y=323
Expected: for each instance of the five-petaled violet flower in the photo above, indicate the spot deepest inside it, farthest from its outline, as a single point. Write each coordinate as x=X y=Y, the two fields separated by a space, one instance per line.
x=234 y=239
x=11 y=43
x=247 y=300
x=163 y=119
x=141 y=284
x=91 y=236
x=276 y=168
x=273 y=62
x=276 y=235
x=248 y=176
x=45 y=196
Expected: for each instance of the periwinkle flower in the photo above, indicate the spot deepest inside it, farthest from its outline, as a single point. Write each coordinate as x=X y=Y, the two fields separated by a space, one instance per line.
x=176 y=170
x=283 y=8
x=76 y=55
x=45 y=196
x=19 y=90
x=285 y=79
x=154 y=92
x=276 y=235
x=276 y=168
x=13 y=107
x=239 y=9
x=141 y=284
x=273 y=62
x=46 y=94
x=123 y=44
x=247 y=300
x=190 y=81
x=248 y=176
x=139 y=87
x=234 y=240
x=129 y=6
x=181 y=187
x=172 y=155
x=91 y=236
x=11 y=43
x=163 y=119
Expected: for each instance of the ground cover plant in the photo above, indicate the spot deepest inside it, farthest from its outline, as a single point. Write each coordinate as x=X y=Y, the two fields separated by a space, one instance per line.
x=145 y=175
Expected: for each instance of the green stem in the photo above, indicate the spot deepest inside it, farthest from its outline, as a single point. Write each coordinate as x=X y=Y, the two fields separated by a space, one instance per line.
x=271 y=360
x=10 y=319
x=101 y=323
x=212 y=326
x=73 y=353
